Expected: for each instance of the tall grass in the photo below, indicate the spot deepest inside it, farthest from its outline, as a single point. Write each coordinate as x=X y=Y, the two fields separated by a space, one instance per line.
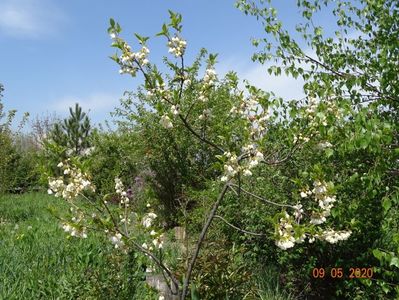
x=269 y=287
x=37 y=261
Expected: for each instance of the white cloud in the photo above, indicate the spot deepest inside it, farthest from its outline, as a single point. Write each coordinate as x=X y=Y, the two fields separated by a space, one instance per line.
x=96 y=102
x=29 y=18
x=283 y=86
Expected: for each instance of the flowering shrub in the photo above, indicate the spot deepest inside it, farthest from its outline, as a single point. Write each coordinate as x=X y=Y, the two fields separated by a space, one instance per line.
x=240 y=141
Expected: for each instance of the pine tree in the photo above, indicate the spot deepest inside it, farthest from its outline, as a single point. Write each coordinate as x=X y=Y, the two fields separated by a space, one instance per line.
x=74 y=132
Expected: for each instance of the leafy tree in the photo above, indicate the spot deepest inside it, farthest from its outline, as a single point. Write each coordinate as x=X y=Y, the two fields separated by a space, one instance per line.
x=355 y=68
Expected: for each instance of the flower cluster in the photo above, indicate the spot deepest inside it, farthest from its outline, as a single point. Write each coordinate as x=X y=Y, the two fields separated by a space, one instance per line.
x=130 y=61
x=119 y=189
x=232 y=166
x=286 y=235
x=250 y=110
x=75 y=185
x=166 y=122
x=157 y=237
x=210 y=76
x=116 y=239
x=148 y=219
x=73 y=231
x=177 y=46
x=301 y=138
x=160 y=89
x=206 y=114
x=75 y=227
x=333 y=237
x=175 y=109
x=324 y=200
x=285 y=232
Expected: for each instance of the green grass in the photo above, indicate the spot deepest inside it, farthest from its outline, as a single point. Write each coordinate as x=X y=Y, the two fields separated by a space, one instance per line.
x=38 y=261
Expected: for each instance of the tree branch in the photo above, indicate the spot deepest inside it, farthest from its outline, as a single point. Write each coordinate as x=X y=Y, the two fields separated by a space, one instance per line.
x=231 y=185
x=237 y=228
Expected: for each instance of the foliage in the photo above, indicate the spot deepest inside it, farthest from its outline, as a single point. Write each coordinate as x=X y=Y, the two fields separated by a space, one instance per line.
x=353 y=69
x=114 y=155
x=17 y=166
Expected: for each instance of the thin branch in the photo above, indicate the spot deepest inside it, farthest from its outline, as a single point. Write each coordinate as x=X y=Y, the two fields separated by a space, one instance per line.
x=199 y=136
x=157 y=261
x=237 y=228
x=231 y=185
x=344 y=75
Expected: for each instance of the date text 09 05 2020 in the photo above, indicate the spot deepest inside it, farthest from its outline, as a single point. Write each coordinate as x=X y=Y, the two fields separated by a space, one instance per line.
x=342 y=273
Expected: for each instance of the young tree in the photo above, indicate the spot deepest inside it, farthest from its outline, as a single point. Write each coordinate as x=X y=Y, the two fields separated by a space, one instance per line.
x=241 y=140
x=73 y=133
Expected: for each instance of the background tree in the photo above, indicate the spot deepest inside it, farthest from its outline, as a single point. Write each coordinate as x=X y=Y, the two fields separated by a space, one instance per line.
x=73 y=133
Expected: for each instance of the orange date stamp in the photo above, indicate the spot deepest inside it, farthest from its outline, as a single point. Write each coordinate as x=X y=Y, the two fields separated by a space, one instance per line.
x=338 y=273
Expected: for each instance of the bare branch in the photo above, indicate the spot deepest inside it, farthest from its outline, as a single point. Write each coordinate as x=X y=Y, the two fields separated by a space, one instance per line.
x=231 y=185
x=239 y=229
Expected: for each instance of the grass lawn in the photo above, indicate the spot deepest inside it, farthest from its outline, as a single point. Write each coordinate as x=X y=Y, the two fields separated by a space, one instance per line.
x=38 y=261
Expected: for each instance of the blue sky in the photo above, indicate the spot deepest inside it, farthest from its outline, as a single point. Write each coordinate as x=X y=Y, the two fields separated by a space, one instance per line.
x=55 y=53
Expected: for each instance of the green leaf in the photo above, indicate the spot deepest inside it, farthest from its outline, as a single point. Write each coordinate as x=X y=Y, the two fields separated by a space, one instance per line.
x=377 y=254
x=394 y=262
x=386 y=204
x=329 y=152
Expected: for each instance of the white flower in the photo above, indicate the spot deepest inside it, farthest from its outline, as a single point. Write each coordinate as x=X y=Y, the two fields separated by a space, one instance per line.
x=177 y=46
x=166 y=122
x=285 y=244
x=253 y=163
x=324 y=145
x=67 y=227
x=298 y=211
x=153 y=232
x=117 y=240
x=317 y=219
x=60 y=165
x=175 y=110
x=224 y=178
x=158 y=242
x=304 y=195
x=259 y=156
x=301 y=239
x=247 y=172
x=152 y=215
x=49 y=191
x=148 y=219
x=210 y=76
x=319 y=188
x=333 y=237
